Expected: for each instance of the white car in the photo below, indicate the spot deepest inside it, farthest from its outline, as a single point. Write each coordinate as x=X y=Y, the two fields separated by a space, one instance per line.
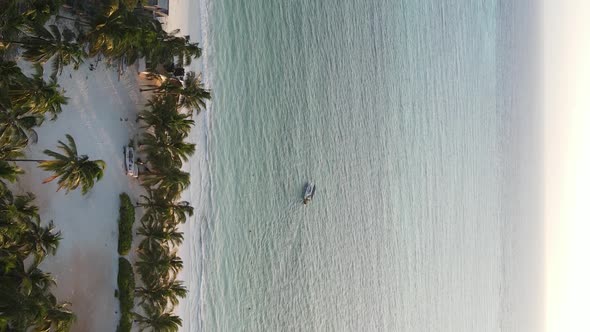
x=130 y=165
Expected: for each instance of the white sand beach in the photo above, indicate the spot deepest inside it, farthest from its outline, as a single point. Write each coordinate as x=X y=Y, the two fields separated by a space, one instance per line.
x=100 y=115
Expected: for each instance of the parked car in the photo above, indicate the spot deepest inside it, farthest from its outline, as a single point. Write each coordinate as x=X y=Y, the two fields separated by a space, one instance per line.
x=130 y=165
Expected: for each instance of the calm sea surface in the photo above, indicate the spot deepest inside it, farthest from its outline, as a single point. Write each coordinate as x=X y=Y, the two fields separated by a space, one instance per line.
x=418 y=121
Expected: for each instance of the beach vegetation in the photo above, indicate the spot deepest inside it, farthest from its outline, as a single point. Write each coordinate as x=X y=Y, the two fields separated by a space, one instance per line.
x=191 y=95
x=126 y=221
x=159 y=118
x=12 y=147
x=172 y=180
x=37 y=96
x=158 y=263
x=126 y=35
x=169 y=145
x=157 y=319
x=10 y=76
x=43 y=44
x=161 y=294
x=126 y=294
x=24 y=102
x=19 y=123
x=26 y=300
x=158 y=232
x=168 y=47
x=73 y=170
x=9 y=172
x=19 y=16
x=161 y=202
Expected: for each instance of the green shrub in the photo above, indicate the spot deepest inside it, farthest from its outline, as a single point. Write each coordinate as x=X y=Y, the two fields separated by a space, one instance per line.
x=126 y=220
x=126 y=282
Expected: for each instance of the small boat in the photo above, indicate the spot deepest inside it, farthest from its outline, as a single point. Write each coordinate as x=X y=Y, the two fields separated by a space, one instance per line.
x=309 y=192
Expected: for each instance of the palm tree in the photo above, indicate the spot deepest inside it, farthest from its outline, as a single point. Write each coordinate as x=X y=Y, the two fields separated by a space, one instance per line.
x=19 y=16
x=9 y=172
x=162 y=201
x=13 y=226
x=27 y=304
x=40 y=9
x=19 y=123
x=156 y=233
x=19 y=219
x=120 y=34
x=11 y=147
x=158 y=263
x=41 y=241
x=19 y=208
x=168 y=86
x=172 y=180
x=59 y=318
x=165 y=47
x=187 y=53
x=43 y=44
x=38 y=96
x=172 y=146
x=71 y=169
x=157 y=319
x=10 y=74
x=11 y=22
x=194 y=94
x=22 y=302
x=163 y=117
x=160 y=294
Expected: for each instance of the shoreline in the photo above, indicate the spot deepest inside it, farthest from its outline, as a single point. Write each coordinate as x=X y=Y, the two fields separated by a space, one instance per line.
x=188 y=16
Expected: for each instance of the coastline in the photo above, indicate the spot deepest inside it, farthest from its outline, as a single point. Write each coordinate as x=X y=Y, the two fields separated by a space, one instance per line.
x=188 y=16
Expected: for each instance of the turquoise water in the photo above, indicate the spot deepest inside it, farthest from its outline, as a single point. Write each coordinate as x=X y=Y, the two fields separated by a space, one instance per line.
x=417 y=121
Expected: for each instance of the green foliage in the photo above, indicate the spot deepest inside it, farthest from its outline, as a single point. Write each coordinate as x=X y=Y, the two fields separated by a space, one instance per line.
x=126 y=220
x=20 y=16
x=158 y=319
x=126 y=284
x=34 y=95
x=26 y=301
x=47 y=43
x=129 y=4
x=157 y=264
x=72 y=170
x=24 y=102
x=162 y=204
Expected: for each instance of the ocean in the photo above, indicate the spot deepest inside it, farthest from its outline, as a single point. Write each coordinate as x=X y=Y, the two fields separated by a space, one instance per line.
x=419 y=122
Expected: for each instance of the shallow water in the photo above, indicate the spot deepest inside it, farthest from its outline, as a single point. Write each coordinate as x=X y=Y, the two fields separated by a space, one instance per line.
x=417 y=120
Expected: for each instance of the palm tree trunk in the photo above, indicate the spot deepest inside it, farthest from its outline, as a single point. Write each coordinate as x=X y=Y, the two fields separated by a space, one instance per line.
x=33 y=160
x=154 y=205
x=150 y=89
x=14 y=42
